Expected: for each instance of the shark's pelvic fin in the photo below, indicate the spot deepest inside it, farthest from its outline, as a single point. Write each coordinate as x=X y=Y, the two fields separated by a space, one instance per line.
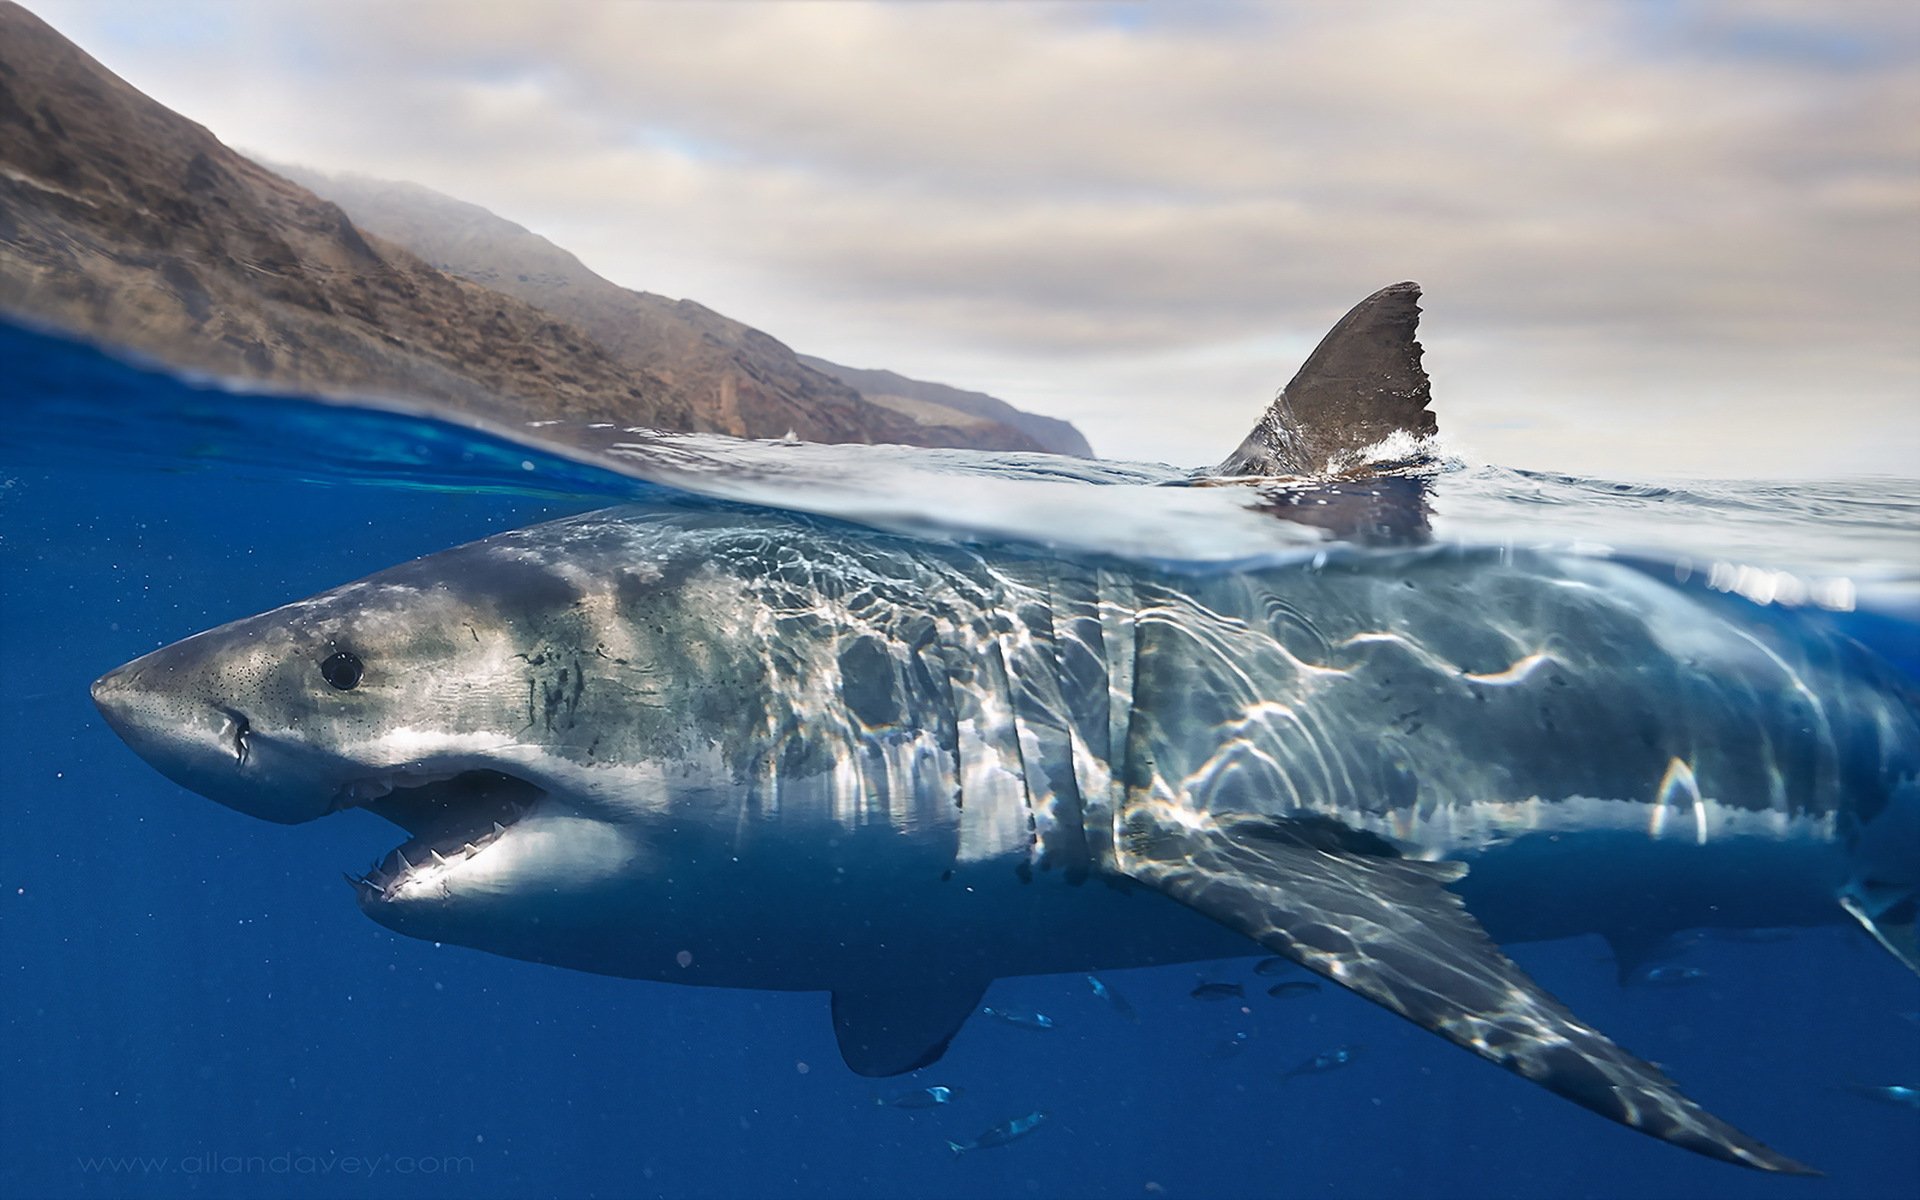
x=1386 y=928
x=1362 y=383
x=1891 y=914
x=1636 y=950
x=895 y=1030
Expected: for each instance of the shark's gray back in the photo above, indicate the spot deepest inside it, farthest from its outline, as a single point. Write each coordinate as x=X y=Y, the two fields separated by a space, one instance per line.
x=1452 y=698
x=1449 y=700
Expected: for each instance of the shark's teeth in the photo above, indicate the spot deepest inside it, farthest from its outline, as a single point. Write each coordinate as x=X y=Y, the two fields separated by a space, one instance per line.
x=368 y=887
x=384 y=876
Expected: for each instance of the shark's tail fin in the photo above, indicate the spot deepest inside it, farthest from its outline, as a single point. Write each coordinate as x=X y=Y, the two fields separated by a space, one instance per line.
x=1361 y=384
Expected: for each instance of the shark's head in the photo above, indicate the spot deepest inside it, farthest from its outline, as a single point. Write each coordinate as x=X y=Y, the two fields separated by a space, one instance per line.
x=529 y=724
x=310 y=708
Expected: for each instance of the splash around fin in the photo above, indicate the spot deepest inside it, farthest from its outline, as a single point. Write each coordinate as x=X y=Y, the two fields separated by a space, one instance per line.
x=1362 y=384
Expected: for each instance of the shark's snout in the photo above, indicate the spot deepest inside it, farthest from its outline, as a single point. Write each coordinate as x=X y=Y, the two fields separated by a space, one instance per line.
x=117 y=695
x=197 y=739
x=151 y=706
x=156 y=720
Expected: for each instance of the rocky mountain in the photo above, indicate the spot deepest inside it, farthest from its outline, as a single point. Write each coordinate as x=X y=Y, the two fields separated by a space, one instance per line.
x=742 y=380
x=952 y=405
x=124 y=222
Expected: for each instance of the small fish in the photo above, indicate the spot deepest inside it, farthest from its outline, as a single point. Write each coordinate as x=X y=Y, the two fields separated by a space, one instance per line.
x=1001 y=1134
x=1674 y=976
x=1219 y=991
x=1895 y=1094
x=1326 y=1060
x=1273 y=966
x=1227 y=1048
x=1024 y=1018
x=1911 y=1018
x=1115 y=1000
x=1293 y=989
x=926 y=1097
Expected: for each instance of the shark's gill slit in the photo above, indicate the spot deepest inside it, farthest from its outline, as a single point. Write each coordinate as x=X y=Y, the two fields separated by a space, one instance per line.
x=451 y=819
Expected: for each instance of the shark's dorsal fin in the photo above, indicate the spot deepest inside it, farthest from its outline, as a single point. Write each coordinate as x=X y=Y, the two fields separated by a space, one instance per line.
x=1361 y=384
x=890 y=1031
x=1388 y=929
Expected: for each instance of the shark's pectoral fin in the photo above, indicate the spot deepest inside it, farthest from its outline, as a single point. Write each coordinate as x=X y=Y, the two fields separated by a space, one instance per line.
x=1889 y=912
x=891 y=1031
x=1388 y=929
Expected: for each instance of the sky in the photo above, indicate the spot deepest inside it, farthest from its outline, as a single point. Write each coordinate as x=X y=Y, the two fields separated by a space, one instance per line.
x=1663 y=238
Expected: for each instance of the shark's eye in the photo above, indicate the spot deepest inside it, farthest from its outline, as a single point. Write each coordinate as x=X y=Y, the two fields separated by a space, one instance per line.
x=342 y=670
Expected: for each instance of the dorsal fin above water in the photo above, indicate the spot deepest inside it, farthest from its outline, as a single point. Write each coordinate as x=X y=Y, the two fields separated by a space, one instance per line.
x=1361 y=384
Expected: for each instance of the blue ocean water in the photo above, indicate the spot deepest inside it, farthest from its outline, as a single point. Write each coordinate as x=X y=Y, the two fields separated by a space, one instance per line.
x=193 y=1006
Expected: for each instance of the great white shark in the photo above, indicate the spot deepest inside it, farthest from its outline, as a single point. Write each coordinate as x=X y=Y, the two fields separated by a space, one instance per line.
x=749 y=748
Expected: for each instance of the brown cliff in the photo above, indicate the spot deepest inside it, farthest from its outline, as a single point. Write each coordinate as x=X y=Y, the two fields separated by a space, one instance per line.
x=124 y=222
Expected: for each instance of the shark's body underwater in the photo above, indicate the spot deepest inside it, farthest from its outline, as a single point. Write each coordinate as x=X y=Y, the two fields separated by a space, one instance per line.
x=754 y=749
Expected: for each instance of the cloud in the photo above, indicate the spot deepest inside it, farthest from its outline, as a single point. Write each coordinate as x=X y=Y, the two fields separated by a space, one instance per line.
x=1694 y=224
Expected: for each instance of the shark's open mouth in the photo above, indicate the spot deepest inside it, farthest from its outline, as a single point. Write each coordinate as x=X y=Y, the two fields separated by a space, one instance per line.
x=452 y=819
